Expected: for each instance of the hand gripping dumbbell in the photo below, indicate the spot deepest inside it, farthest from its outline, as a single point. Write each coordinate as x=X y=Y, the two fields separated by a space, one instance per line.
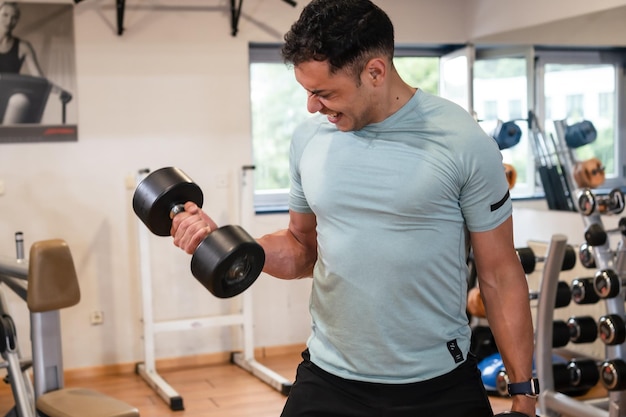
x=595 y=235
x=529 y=260
x=607 y=284
x=227 y=261
x=612 y=203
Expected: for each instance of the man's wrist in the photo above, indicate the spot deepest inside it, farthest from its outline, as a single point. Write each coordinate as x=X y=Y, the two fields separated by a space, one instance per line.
x=528 y=388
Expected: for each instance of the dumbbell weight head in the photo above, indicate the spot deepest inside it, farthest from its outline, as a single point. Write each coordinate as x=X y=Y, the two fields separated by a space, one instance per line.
x=582 y=329
x=612 y=329
x=595 y=235
x=161 y=192
x=560 y=333
x=227 y=261
x=612 y=203
x=511 y=414
x=585 y=255
x=613 y=374
x=529 y=260
x=584 y=373
x=586 y=202
x=606 y=283
x=563 y=295
x=583 y=291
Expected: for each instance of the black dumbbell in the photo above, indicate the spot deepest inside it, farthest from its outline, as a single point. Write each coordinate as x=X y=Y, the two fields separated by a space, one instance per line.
x=582 y=329
x=511 y=414
x=607 y=284
x=595 y=235
x=563 y=295
x=613 y=374
x=529 y=260
x=227 y=261
x=612 y=329
x=575 y=377
x=576 y=330
x=585 y=255
x=612 y=203
x=583 y=291
x=560 y=333
x=583 y=373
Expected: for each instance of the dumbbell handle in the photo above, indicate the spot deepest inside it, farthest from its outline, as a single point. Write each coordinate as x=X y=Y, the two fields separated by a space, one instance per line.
x=176 y=209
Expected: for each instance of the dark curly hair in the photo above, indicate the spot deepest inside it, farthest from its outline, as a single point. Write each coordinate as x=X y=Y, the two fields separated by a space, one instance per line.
x=347 y=33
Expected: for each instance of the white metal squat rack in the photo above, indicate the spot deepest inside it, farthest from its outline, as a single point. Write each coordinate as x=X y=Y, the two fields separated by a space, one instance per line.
x=242 y=320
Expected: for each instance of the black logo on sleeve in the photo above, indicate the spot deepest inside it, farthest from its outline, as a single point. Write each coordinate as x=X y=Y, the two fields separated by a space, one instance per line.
x=454 y=350
x=500 y=203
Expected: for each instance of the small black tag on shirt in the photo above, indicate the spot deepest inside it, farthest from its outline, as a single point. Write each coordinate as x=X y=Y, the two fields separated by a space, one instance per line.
x=454 y=350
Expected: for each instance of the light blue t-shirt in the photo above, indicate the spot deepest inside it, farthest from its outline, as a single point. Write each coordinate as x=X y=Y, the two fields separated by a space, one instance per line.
x=393 y=203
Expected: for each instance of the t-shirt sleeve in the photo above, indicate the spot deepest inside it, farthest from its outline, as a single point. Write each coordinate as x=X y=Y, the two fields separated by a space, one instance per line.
x=301 y=137
x=485 y=199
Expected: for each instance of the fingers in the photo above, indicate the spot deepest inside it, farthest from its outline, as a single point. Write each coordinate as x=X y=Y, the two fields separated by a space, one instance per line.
x=191 y=227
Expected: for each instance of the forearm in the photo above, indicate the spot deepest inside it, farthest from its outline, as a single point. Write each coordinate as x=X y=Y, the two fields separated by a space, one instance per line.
x=508 y=313
x=286 y=257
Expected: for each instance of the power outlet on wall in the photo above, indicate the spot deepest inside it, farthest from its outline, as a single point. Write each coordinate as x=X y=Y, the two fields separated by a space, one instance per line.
x=96 y=317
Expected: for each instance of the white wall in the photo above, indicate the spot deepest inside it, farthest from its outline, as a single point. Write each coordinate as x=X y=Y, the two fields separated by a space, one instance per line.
x=172 y=90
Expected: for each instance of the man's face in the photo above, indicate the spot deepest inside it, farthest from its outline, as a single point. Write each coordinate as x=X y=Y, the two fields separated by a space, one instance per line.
x=347 y=104
x=8 y=17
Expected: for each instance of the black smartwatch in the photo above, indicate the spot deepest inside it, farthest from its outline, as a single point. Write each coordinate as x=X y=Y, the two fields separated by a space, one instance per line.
x=527 y=388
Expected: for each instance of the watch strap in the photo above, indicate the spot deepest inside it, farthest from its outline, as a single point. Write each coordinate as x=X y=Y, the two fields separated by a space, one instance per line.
x=528 y=388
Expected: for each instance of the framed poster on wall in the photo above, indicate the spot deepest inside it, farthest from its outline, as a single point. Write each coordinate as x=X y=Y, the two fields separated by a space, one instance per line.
x=37 y=73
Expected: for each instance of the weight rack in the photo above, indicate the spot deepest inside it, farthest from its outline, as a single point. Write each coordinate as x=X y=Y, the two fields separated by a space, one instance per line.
x=553 y=403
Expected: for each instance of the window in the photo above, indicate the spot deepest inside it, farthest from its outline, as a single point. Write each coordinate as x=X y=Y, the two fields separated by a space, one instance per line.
x=501 y=93
x=278 y=105
x=505 y=85
x=585 y=85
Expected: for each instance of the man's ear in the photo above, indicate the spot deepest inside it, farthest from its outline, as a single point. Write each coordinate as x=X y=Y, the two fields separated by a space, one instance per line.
x=376 y=70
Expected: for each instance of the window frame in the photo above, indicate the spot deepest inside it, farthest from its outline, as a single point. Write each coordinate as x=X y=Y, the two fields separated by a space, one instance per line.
x=275 y=201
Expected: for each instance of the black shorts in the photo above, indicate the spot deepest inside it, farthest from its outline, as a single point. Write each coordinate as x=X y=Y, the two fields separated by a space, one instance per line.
x=316 y=393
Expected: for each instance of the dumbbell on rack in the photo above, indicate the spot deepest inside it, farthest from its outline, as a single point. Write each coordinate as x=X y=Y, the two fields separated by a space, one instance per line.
x=612 y=329
x=577 y=329
x=607 y=284
x=529 y=260
x=476 y=307
x=583 y=291
x=575 y=377
x=586 y=257
x=227 y=261
x=613 y=374
x=595 y=235
x=589 y=203
x=582 y=329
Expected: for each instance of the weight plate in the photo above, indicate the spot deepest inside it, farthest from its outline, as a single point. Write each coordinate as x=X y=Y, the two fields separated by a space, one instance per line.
x=159 y=193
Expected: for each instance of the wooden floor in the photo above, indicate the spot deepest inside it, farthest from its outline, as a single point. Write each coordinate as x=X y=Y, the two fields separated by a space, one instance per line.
x=222 y=390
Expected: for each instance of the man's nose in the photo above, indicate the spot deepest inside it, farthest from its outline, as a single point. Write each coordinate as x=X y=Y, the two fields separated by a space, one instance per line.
x=313 y=104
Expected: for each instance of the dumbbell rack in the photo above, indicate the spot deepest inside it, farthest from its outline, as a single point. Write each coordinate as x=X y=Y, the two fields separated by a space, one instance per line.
x=243 y=319
x=553 y=403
